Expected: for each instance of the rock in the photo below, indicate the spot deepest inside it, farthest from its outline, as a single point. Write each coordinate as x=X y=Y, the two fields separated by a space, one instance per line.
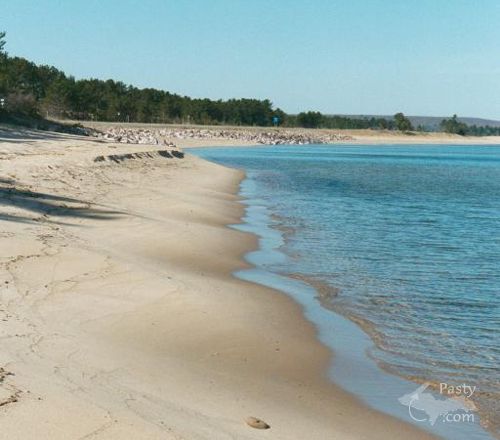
x=256 y=423
x=156 y=136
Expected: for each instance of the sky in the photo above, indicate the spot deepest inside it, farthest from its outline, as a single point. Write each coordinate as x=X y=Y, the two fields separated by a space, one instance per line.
x=421 y=57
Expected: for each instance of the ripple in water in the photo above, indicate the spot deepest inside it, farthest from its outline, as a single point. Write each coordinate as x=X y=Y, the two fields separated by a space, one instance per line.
x=410 y=238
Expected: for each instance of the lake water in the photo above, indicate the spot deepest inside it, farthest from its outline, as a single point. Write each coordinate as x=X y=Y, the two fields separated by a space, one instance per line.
x=402 y=240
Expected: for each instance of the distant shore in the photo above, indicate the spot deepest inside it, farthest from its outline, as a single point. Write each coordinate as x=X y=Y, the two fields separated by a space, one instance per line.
x=121 y=318
x=200 y=135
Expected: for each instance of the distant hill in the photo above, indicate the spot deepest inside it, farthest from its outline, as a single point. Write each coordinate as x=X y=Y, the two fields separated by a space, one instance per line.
x=432 y=122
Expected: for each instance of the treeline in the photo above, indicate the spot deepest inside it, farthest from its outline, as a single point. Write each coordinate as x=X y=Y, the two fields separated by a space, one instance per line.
x=454 y=126
x=31 y=89
x=318 y=120
x=44 y=91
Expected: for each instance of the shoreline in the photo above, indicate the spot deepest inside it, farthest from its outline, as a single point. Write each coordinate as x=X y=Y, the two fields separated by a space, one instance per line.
x=352 y=367
x=122 y=315
x=221 y=135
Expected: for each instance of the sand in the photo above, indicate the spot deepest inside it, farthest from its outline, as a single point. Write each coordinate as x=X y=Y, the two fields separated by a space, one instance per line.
x=119 y=315
x=417 y=138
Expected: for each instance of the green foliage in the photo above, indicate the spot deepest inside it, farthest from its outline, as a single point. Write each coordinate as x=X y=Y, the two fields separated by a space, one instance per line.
x=344 y=122
x=309 y=119
x=483 y=130
x=454 y=126
x=402 y=122
x=30 y=89
x=54 y=94
x=2 y=41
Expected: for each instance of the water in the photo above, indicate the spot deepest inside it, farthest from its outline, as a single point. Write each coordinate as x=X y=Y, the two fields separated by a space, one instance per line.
x=403 y=240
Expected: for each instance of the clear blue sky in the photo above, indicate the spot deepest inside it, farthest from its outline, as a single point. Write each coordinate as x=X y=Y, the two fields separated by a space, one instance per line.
x=422 y=57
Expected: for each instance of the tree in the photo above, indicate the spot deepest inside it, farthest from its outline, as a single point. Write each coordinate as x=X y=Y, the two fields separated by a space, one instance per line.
x=402 y=122
x=31 y=89
x=3 y=56
x=2 y=41
x=21 y=103
x=309 y=119
x=57 y=98
x=454 y=126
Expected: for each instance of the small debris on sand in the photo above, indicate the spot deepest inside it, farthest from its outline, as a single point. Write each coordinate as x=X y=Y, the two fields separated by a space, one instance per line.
x=256 y=423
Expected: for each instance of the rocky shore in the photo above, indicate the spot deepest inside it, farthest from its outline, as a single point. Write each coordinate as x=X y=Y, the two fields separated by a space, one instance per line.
x=163 y=136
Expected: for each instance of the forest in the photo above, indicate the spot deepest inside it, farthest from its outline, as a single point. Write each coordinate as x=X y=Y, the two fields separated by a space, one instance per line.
x=41 y=91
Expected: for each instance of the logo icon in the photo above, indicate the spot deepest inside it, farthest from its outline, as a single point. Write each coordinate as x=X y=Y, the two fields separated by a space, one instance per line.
x=449 y=409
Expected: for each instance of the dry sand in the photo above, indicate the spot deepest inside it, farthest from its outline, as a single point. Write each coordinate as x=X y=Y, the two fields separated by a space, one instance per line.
x=395 y=137
x=119 y=315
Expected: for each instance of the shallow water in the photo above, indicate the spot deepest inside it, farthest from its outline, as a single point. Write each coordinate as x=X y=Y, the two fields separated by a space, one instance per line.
x=406 y=239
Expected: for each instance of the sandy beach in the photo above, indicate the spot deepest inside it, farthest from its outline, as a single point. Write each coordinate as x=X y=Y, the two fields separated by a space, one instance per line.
x=234 y=221
x=119 y=314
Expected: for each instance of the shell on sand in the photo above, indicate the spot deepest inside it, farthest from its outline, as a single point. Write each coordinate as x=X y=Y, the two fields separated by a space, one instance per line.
x=256 y=423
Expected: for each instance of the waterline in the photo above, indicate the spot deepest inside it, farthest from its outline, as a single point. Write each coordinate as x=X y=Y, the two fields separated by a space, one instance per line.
x=401 y=239
x=351 y=367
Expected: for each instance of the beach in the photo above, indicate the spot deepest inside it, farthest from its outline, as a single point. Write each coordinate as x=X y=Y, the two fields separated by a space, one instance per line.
x=373 y=228
x=120 y=314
